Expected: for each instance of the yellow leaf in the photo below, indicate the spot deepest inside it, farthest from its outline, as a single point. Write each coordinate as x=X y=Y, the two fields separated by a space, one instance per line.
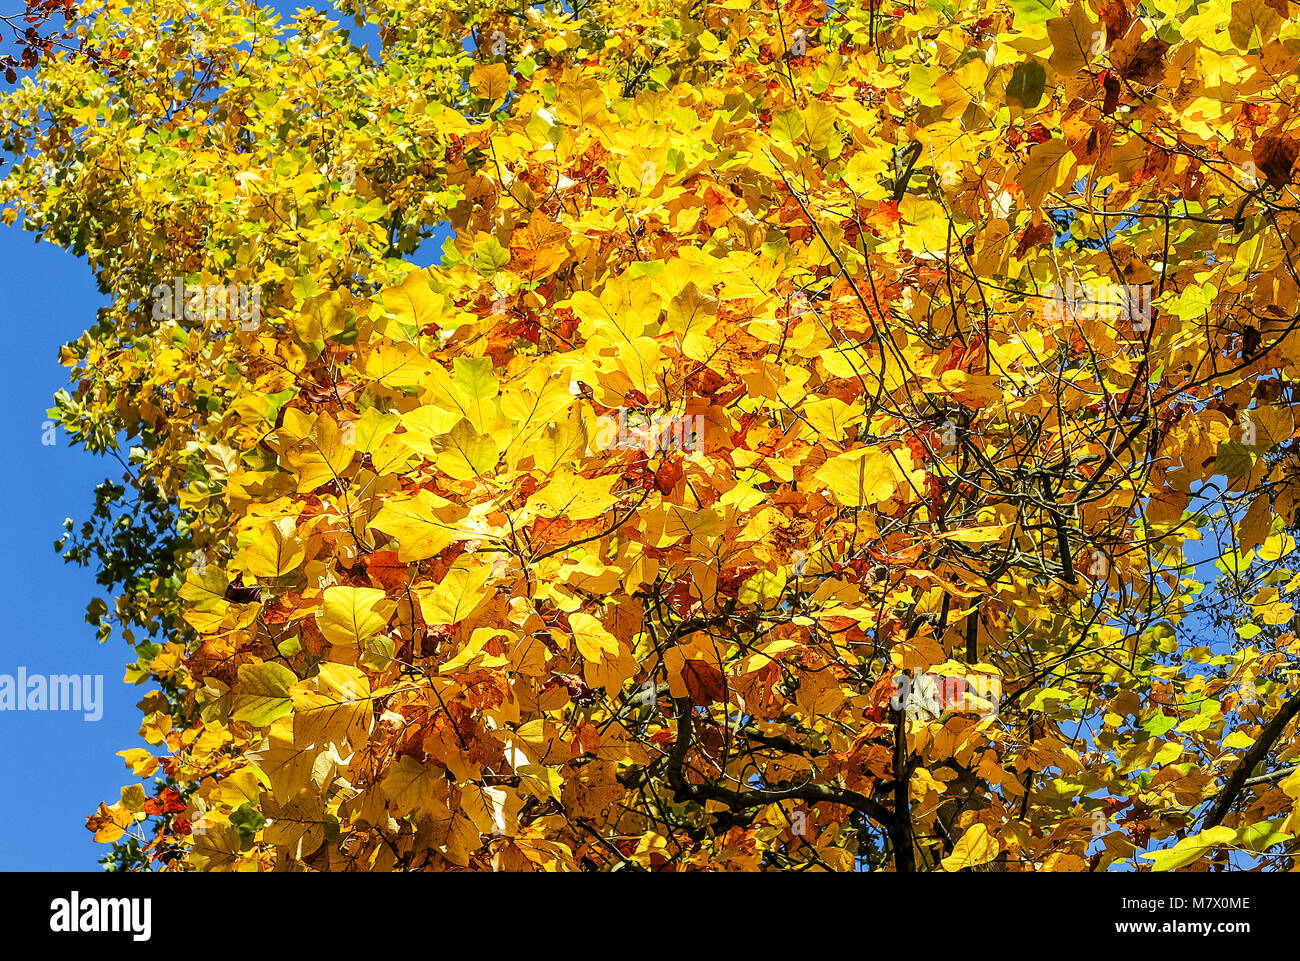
x=1042 y=172
x=473 y=657
x=763 y=588
x=494 y=810
x=918 y=652
x=1189 y=849
x=413 y=302
x=491 y=81
x=926 y=228
x=465 y=454
x=581 y=104
x=423 y=524
x=276 y=550
x=977 y=846
x=1291 y=785
x=863 y=477
x=985 y=534
x=540 y=781
x=320 y=454
x=263 y=693
x=417 y=787
x=574 y=497
x=334 y=706
x=349 y=615
x=456 y=597
x=593 y=641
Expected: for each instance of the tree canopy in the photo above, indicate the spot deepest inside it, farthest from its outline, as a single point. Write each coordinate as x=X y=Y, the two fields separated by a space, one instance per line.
x=828 y=438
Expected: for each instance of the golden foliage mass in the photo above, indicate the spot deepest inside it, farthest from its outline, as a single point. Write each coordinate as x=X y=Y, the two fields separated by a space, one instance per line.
x=790 y=463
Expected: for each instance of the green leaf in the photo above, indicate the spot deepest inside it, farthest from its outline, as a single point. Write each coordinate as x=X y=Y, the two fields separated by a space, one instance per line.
x=1033 y=11
x=787 y=126
x=1159 y=723
x=1233 y=460
x=1026 y=84
x=247 y=820
x=1263 y=835
x=1048 y=699
x=921 y=80
x=490 y=256
x=1189 y=849
x=263 y=693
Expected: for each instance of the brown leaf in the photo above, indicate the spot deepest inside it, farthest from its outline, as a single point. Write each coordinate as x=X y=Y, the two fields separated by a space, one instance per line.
x=703 y=681
x=1117 y=19
x=1275 y=156
x=1110 y=83
x=240 y=593
x=1253 y=23
x=1147 y=64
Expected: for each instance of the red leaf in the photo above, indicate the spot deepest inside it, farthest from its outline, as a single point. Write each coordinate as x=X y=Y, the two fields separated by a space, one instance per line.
x=384 y=567
x=704 y=682
x=668 y=474
x=1034 y=236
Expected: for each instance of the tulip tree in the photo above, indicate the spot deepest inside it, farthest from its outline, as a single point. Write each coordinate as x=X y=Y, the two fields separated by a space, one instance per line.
x=853 y=438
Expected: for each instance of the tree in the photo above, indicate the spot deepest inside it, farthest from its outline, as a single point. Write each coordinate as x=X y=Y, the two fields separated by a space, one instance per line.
x=798 y=459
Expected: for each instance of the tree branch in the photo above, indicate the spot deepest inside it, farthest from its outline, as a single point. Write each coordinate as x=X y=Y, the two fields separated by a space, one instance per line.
x=1272 y=731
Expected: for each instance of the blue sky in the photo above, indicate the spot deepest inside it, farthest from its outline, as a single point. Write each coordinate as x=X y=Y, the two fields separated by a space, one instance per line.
x=58 y=766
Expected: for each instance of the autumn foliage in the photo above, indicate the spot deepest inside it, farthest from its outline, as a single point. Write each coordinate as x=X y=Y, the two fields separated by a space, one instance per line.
x=807 y=451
